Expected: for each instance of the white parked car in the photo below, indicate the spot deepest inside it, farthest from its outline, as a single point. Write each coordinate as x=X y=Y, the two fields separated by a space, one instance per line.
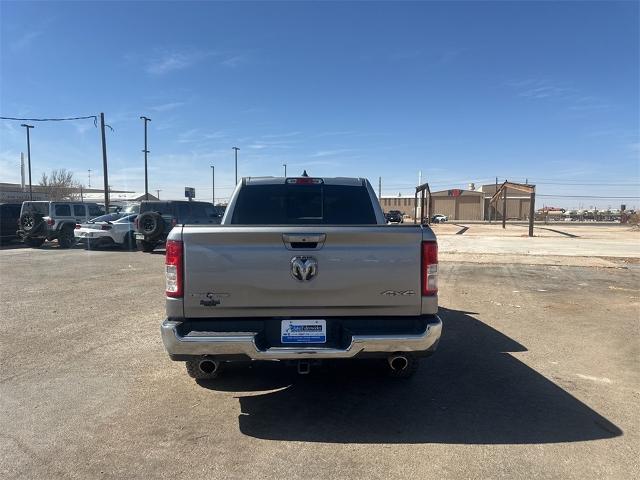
x=439 y=218
x=108 y=230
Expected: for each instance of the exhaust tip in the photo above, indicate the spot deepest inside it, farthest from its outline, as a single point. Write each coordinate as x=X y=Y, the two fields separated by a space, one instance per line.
x=208 y=366
x=398 y=363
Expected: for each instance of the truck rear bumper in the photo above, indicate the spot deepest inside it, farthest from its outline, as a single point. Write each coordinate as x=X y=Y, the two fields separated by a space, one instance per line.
x=245 y=344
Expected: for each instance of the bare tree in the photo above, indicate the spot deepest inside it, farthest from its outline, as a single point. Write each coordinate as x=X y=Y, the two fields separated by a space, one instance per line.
x=60 y=185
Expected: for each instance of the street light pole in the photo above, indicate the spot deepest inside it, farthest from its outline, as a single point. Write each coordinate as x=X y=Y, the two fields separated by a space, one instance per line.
x=285 y=169
x=146 y=151
x=236 y=152
x=213 y=184
x=29 y=127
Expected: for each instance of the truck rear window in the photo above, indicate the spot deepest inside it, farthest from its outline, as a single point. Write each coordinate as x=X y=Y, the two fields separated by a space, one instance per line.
x=303 y=205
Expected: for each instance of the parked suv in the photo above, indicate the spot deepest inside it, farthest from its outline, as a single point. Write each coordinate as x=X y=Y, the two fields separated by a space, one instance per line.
x=9 y=215
x=157 y=218
x=40 y=221
x=394 y=216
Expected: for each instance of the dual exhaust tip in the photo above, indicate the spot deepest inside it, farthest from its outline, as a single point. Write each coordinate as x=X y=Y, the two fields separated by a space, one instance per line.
x=208 y=366
x=398 y=363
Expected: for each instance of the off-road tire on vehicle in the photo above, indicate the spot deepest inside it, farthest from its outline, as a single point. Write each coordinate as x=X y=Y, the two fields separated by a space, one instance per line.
x=66 y=238
x=33 y=242
x=31 y=223
x=194 y=371
x=151 y=224
x=146 y=246
x=412 y=368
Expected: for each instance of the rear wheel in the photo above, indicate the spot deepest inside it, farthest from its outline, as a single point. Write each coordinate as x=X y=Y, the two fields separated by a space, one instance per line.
x=146 y=246
x=66 y=238
x=33 y=242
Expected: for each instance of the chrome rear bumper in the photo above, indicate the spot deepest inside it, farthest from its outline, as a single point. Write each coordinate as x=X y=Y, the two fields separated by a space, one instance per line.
x=220 y=343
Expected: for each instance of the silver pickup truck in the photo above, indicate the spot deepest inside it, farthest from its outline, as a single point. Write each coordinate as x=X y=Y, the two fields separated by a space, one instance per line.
x=301 y=270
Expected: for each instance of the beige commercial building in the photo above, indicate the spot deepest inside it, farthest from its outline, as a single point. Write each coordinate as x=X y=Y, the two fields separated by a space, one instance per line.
x=460 y=204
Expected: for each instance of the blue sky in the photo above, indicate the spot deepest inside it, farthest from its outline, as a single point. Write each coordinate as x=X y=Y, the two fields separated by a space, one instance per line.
x=462 y=91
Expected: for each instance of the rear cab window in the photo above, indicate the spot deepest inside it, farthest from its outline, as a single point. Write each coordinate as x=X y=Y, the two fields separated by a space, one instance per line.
x=291 y=204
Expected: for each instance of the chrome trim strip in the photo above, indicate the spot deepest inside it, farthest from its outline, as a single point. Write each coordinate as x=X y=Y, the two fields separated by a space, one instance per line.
x=245 y=344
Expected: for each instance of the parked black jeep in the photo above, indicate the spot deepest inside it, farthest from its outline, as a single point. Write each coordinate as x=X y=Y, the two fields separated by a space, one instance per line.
x=157 y=218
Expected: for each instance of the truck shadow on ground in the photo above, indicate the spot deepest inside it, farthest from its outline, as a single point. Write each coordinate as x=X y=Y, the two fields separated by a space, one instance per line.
x=470 y=392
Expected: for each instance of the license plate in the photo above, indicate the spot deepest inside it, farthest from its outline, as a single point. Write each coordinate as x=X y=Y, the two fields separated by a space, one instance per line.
x=139 y=236
x=304 y=331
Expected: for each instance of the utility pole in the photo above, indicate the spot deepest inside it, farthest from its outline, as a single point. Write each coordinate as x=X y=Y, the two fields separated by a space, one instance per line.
x=504 y=207
x=22 y=171
x=146 y=151
x=89 y=178
x=285 y=169
x=158 y=194
x=29 y=127
x=380 y=189
x=104 y=164
x=213 y=184
x=236 y=151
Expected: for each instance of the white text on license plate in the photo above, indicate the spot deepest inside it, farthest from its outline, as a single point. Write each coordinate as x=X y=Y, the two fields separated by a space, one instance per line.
x=139 y=236
x=304 y=331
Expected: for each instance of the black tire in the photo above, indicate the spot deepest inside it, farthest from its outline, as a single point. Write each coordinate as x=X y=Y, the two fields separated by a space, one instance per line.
x=194 y=371
x=129 y=242
x=31 y=223
x=33 y=242
x=66 y=238
x=151 y=224
x=146 y=246
x=409 y=371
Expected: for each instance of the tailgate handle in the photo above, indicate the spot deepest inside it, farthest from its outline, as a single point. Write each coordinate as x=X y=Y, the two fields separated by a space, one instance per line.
x=306 y=241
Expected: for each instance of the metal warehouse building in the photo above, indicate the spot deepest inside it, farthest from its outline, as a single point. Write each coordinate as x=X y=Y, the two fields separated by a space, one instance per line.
x=459 y=204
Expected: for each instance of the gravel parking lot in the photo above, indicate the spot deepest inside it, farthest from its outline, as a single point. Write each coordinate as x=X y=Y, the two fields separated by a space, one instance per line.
x=537 y=375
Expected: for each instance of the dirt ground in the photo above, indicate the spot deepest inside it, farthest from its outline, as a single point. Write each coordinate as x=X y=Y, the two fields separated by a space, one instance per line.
x=537 y=375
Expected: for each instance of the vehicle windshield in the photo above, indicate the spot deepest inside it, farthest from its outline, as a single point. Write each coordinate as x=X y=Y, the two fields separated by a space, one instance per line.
x=303 y=205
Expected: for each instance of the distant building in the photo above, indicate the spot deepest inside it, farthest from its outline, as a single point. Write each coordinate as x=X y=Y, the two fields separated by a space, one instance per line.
x=460 y=204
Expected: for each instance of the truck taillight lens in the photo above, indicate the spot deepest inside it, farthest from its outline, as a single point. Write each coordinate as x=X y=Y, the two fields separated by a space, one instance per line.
x=429 y=268
x=173 y=269
x=51 y=222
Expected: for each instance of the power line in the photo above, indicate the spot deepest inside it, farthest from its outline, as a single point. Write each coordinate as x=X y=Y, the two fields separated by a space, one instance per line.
x=65 y=119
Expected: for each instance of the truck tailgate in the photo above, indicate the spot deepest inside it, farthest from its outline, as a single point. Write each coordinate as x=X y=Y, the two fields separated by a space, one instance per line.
x=237 y=271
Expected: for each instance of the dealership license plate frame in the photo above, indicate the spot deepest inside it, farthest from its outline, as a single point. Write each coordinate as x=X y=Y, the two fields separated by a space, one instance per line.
x=301 y=331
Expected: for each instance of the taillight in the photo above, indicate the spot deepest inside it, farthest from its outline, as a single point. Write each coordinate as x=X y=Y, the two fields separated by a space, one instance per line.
x=78 y=226
x=137 y=224
x=173 y=269
x=429 y=268
x=51 y=222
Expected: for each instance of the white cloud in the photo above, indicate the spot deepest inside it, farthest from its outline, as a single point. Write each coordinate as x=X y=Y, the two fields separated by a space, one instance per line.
x=169 y=61
x=25 y=40
x=332 y=153
x=166 y=107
